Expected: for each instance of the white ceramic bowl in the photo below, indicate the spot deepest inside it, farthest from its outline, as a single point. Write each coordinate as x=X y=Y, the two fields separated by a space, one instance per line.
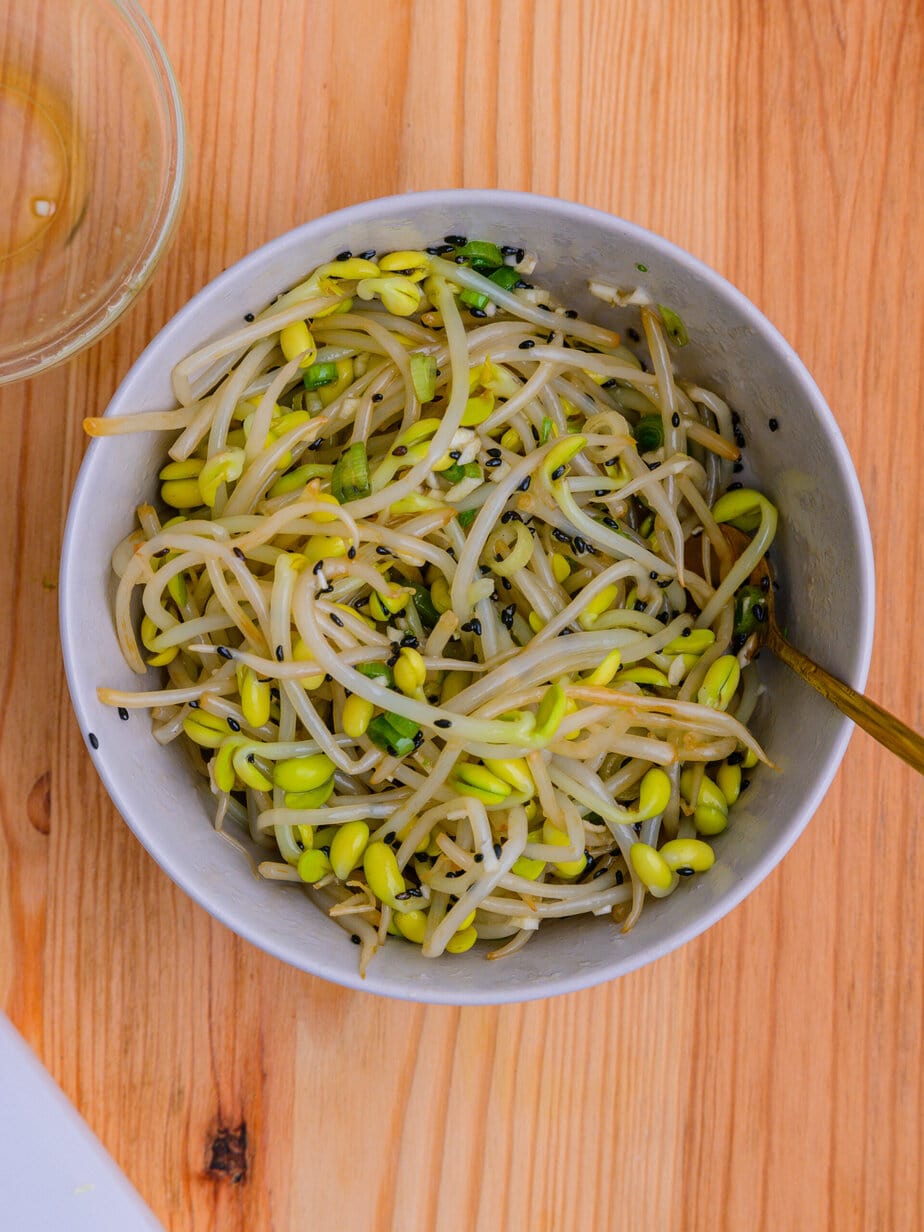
x=823 y=556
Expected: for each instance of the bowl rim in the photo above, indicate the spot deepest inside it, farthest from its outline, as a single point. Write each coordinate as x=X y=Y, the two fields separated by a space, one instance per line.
x=89 y=326
x=344 y=974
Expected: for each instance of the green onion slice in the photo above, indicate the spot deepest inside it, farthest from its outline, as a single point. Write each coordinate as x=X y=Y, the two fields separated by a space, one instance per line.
x=317 y=375
x=676 y=329
x=350 y=478
x=649 y=433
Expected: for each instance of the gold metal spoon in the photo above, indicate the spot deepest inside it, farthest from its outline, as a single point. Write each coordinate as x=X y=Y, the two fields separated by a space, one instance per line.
x=891 y=732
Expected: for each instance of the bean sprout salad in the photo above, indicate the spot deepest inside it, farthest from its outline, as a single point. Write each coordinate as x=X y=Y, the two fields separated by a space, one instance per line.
x=440 y=583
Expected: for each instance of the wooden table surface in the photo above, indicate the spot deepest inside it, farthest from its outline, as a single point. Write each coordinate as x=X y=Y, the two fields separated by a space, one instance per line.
x=775 y=1080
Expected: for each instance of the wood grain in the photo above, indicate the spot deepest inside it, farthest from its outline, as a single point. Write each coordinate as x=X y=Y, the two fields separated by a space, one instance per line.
x=768 y=1075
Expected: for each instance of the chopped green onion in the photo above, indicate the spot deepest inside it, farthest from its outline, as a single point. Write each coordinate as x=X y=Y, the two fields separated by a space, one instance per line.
x=320 y=374
x=423 y=376
x=471 y=470
x=466 y=518
x=403 y=726
x=375 y=671
x=545 y=433
x=506 y=277
x=483 y=251
x=350 y=478
x=386 y=736
x=649 y=433
x=747 y=618
x=675 y=327
x=473 y=299
x=424 y=605
x=453 y=473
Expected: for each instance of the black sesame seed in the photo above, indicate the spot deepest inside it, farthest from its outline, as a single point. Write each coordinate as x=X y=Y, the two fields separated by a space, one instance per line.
x=403 y=896
x=523 y=286
x=383 y=551
x=325 y=849
x=497 y=850
x=684 y=872
x=664 y=617
x=639 y=605
x=355 y=939
x=570 y=314
x=344 y=256
x=163 y=552
x=233 y=724
x=735 y=759
x=675 y=420
x=745 y=784
x=94 y=741
x=507 y=616
x=399 y=451
x=410 y=640
x=457 y=241
x=477 y=312
x=739 y=438
x=123 y=714
x=524 y=486
x=733 y=487
x=194 y=705
x=280 y=654
x=493 y=462
x=505 y=582
x=609 y=384
x=738 y=467
x=759 y=612
x=619 y=877
x=773 y=424
x=560 y=535
x=558 y=472
x=527 y=344
x=493 y=452
x=336 y=619
x=686 y=632
x=223 y=652
x=580 y=545
x=444 y=723
x=545 y=308
x=368 y=255
x=318 y=444
x=248 y=317
x=765 y=583
x=478 y=857
x=239 y=554
x=377 y=397
x=634 y=334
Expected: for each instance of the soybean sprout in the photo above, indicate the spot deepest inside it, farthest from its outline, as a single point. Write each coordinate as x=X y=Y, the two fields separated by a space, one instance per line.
x=446 y=613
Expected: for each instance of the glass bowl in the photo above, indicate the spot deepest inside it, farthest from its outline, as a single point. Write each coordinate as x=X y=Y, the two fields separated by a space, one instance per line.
x=92 y=135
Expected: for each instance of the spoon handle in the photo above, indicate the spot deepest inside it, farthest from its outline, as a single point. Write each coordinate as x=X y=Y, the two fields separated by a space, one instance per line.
x=897 y=737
